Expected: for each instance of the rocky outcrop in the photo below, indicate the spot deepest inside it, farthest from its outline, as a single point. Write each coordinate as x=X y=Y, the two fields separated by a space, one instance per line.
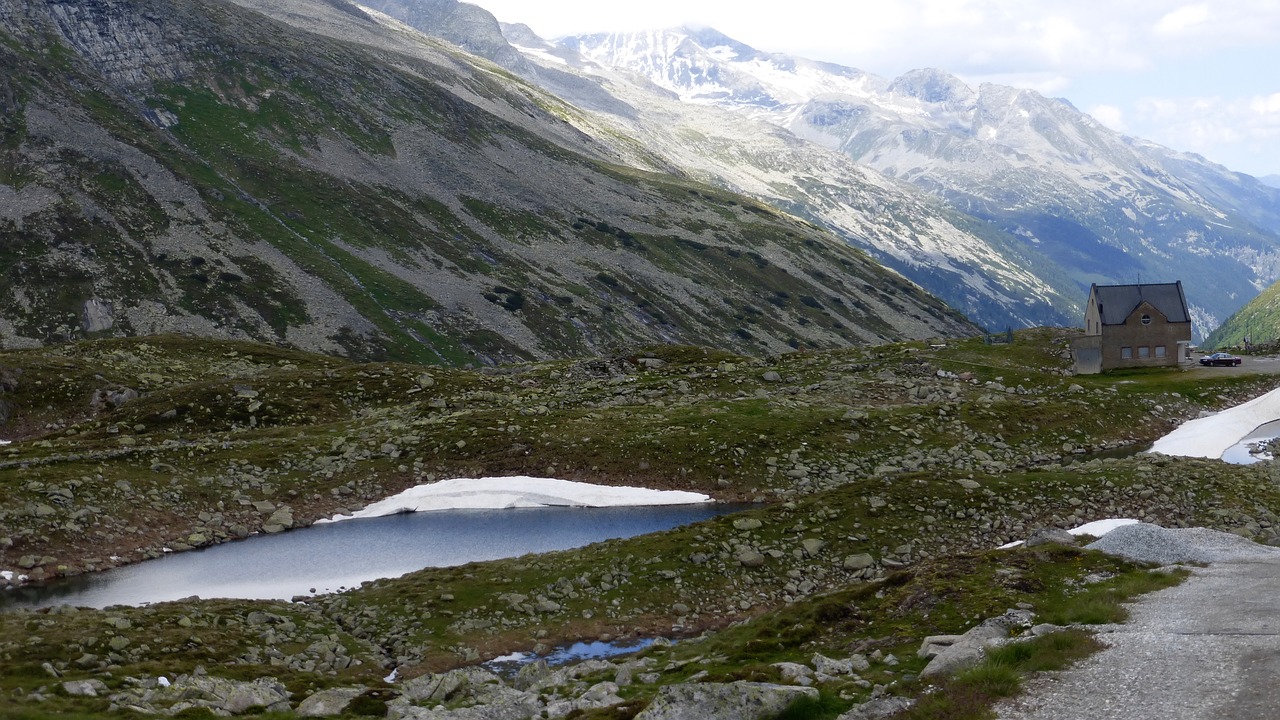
x=329 y=702
x=953 y=653
x=222 y=696
x=723 y=701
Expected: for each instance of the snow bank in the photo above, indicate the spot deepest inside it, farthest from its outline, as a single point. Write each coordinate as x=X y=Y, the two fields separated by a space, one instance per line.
x=1210 y=437
x=1097 y=528
x=517 y=491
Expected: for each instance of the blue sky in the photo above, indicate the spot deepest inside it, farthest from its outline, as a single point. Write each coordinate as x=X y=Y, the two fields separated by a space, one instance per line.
x=1196 y=76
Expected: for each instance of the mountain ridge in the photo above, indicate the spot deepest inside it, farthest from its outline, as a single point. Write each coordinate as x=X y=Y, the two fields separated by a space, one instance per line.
x=199 y=167
x=1030 y=167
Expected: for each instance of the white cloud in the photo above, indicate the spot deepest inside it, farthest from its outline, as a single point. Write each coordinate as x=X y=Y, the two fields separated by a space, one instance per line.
x=1182 y=19
x=1099 y=53
x=1109 y=115
x=1239 y=132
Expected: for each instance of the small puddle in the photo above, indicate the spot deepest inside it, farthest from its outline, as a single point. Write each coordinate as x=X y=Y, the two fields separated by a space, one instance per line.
x=1252 y=447
x=596 y=650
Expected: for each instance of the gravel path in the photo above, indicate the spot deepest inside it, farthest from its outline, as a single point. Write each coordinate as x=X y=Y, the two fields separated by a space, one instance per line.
x=1209 y=648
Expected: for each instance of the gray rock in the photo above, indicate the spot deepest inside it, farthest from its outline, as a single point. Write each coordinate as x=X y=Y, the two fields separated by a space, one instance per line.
x=328 y=702
x=771 y=376
x=858 y=562
x=723 y=701
x=112 y=396
x=1047 y=536
x=972 y=646
x=220 y=695
x=829 y=666
x=95 y=316
x=878 y=709
x=935 y=644
x=812 y=546
x=85 y=688
x=793 y=671
x=600 y=695
x=451 y=685
x=751 y=559
x=283 y=516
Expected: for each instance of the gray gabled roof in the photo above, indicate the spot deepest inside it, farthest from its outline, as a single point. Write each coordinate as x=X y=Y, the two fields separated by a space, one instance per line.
x=1117 y=302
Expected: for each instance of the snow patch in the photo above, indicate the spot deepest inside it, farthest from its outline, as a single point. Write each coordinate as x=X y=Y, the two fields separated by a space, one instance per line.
x=1210 y=437
x=517 y=491
x=1097 y=528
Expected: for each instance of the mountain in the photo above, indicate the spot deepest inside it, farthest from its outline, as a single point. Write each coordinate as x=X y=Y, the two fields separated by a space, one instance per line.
x=951 y=255
x=312 y=173
x=1078 y=200
x=1258 y=321
x=1270 y=180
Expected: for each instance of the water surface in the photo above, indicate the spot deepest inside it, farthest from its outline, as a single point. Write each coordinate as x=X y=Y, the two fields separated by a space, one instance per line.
x=336 y=556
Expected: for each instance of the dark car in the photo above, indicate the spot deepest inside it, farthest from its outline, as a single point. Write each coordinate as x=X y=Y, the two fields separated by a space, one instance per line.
x=1220 y=358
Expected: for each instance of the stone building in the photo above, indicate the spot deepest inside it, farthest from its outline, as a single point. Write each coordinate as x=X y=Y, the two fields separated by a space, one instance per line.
x=1133 y=326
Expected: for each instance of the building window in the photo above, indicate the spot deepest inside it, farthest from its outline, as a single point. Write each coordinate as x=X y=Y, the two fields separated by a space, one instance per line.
x=1144 y=352
x=1126 y=353
x=1146 y=319
x=1160 y=351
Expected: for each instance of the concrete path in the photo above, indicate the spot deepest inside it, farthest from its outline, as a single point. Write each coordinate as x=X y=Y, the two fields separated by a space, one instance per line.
x=1208 y=649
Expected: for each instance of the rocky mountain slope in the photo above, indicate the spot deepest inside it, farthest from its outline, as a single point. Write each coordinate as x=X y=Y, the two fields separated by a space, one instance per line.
x=973 y=267
x=333 y=180
x=1080 y=202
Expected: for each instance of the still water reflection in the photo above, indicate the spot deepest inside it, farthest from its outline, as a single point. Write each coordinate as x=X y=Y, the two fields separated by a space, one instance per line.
x=331 y=557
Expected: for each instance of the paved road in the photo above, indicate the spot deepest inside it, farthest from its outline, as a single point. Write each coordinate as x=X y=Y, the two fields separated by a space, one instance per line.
x=1208 y=649
x=1252 y=364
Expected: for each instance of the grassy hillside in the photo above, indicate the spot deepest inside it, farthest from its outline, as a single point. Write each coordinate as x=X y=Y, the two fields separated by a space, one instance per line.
x=1259 y=321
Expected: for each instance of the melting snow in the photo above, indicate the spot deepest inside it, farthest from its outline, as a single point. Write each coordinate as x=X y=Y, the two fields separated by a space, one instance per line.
x=518 y=491
x=1210 y=437
x=1097 y=528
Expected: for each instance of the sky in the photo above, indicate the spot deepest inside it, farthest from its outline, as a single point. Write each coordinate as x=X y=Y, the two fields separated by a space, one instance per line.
x=1202 y=77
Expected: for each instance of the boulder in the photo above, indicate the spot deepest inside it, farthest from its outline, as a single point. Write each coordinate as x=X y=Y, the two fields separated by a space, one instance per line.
x=795 y=672
x=112 y=397
x=451 y=685
x=861 y=561
x=220 y=695
x=830 y=666
x=723 y=701
x=329 y=702
x=95 y=316
x=877 y=709
x=85 y=688
x=1046 y=536
x=970 y=648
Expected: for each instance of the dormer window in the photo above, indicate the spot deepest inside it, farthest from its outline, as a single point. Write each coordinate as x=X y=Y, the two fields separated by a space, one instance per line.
x=1146 y=319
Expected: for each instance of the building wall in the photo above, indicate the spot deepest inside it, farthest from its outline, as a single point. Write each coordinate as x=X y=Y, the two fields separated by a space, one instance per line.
x=1092 y=318
x=1135 y=335
x=1086 y=352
